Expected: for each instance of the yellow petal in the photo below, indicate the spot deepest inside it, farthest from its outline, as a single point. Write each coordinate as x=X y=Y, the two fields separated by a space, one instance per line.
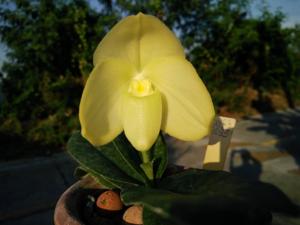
x=188 y=111
x=101 y=101
x=142 y=119
x=138 y=39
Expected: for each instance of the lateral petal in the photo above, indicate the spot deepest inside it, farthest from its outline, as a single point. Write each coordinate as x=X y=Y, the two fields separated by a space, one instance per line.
x=101 y=101
x=188 y=110
x=142 y=119
x=138 y=39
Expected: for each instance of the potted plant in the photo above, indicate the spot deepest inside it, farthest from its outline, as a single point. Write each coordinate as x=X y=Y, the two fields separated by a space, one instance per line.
x=141 y=85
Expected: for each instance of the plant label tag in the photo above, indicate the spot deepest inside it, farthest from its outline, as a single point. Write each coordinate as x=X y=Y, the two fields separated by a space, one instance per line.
x=218 y=144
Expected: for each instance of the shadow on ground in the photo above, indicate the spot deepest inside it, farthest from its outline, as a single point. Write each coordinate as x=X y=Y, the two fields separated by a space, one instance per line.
x=247 y=167
x=243 y=164
x=285 y=128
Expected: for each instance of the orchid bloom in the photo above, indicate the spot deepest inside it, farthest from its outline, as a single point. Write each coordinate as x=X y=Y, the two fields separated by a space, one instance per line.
x=141 y=83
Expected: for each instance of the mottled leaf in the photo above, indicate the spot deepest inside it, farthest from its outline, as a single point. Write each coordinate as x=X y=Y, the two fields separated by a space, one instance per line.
x=95 y=163
x=160 y=156
x=125 y=157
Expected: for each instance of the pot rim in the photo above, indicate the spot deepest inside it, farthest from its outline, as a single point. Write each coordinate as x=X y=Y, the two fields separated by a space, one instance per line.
x=67 y=207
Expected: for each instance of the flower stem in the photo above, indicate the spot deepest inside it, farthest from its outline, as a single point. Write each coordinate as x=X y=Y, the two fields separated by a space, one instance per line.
x=146 y=156
x=147 y=165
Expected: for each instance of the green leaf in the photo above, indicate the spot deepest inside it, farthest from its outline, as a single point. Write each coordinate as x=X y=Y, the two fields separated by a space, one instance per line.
x=151 y=218
x=125 y=157
x=103 y=181
x=160 y=156
x=175 y=208
x=209 y=197
x=155 y=200
x=95 y=163
x=79 y=172
x=224 y=184
x=194 y=181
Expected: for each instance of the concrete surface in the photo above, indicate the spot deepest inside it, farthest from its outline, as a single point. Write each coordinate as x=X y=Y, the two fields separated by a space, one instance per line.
x=29 y=189
x=263 y=148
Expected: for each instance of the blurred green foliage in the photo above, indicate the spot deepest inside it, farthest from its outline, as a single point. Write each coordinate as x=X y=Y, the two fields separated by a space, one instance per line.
x=51 y=43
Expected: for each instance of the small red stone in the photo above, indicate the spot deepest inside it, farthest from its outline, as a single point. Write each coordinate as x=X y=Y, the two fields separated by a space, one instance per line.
x=134 y=215
x=109 y=200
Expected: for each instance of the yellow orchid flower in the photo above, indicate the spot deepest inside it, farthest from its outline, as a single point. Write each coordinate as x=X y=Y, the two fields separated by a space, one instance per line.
x=141 y=83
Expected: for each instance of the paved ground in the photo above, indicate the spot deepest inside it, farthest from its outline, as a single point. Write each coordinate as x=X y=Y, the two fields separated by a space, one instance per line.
x=29 y=189
x=263 y=147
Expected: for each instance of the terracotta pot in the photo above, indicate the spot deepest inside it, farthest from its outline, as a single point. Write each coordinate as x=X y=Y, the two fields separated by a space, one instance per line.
x=69 y=208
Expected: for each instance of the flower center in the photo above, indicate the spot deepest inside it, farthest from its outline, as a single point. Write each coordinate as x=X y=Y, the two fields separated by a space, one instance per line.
x=141 y=87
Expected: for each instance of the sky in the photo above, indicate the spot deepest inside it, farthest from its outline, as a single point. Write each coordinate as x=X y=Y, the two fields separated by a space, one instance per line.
x=289 y=7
